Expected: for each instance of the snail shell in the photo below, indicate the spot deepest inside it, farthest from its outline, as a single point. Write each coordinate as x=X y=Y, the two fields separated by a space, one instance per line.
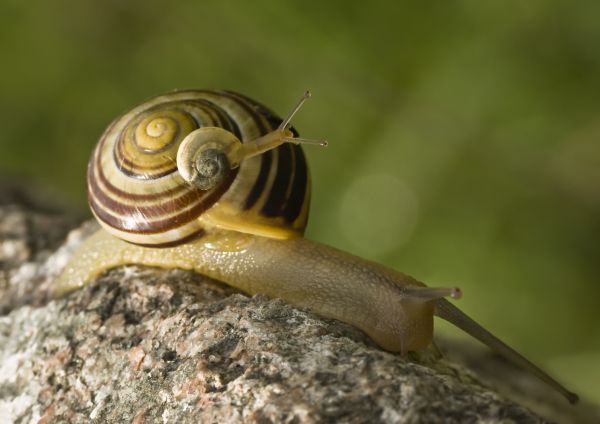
x=137 y=193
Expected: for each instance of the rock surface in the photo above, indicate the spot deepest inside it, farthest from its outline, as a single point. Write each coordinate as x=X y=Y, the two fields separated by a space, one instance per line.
x=146 y=345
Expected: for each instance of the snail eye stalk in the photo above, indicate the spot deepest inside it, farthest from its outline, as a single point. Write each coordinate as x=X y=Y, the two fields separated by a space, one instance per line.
x=279 y=136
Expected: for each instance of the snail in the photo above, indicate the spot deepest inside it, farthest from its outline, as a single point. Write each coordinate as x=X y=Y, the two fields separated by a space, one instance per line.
x=214 y=182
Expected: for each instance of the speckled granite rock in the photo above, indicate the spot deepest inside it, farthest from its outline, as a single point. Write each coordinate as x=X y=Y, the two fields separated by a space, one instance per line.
x=30 y=233
x=146 y=345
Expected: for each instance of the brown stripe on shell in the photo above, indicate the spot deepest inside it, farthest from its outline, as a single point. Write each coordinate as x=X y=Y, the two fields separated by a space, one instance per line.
x=225 y=121
x=251 y=107
x=283 y=200
x=261 y=180
x=296 y=194
x=130 y=133
x=144 y=226
x=164 y=204
x=277 y=196
x=101 y=203
x=218 y=117
x=293 y=207
x=257 y=109
x=96 y=165
x=128 y=167
x=136 y=170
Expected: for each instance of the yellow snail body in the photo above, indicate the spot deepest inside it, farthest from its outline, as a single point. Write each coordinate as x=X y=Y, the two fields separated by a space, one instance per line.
x=214 y=182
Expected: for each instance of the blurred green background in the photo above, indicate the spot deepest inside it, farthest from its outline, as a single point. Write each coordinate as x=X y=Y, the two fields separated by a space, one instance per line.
x=464 y=136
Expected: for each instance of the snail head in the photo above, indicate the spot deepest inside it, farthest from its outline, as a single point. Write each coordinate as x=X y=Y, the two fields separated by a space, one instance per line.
x=206 y=155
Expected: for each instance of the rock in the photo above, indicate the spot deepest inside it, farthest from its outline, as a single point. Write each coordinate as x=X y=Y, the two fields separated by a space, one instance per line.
x=30 y=232
x=147 y=345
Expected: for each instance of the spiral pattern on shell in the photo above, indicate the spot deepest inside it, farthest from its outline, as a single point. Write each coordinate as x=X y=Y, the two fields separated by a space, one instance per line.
x=137 y=193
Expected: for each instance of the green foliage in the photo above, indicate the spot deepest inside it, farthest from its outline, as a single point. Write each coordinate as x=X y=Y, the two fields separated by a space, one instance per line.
x=479 y=121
